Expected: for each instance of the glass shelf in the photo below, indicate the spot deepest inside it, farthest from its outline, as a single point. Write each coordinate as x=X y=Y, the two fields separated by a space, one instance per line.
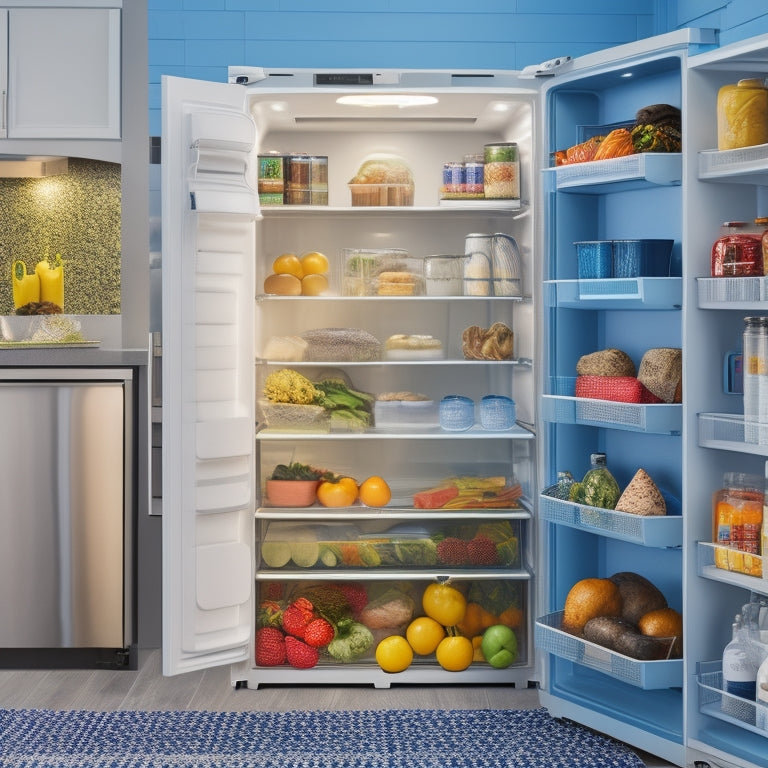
x=616 y=293
x=474 y=433
x=620 y=174
x=643 y=674
x=653 y=531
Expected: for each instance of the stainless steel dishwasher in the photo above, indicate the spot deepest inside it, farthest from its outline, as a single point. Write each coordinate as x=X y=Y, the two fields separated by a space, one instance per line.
x=66 y=529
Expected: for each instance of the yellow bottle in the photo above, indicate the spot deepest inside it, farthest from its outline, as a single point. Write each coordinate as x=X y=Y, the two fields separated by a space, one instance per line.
x=26 y=288
x=742 y=114
x=51 y=281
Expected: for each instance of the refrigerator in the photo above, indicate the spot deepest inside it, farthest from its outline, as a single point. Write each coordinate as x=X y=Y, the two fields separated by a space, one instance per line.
x=220 y=326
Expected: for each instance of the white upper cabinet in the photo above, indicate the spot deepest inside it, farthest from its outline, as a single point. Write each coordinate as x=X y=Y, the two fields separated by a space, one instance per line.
x=62 y=73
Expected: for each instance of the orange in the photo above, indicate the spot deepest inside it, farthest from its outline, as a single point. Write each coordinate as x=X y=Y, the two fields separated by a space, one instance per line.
x=444 y=603
x=314 y=285
x=394 y=654
x=351 y=484
x=314 y=263
x=424 y=634
x=477 y=643
x=288 y=264
x=374 y=492
x=336 y=494
x=455 y=653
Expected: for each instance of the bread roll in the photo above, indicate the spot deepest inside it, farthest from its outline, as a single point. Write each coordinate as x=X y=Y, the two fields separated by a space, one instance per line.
x=661 y=372
x=606 y=362
x=642 y=497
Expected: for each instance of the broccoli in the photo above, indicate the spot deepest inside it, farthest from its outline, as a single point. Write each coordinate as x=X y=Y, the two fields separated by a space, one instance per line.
x=289 y=386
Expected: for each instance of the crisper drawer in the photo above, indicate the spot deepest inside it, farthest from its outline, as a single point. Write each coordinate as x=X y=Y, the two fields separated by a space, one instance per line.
x=433 y=544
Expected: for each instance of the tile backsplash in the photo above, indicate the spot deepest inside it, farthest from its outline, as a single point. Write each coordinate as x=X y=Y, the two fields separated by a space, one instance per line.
x=76 y=214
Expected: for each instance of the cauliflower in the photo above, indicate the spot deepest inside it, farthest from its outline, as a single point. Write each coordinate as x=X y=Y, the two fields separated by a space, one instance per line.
x=289 y=386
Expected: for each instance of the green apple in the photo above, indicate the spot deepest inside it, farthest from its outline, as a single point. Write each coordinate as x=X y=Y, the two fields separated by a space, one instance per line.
x=499 y=646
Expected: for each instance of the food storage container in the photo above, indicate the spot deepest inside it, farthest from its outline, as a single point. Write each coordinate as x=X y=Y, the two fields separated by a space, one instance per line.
x=291 y=493
x=271 y=181
x=595 y=259
x=641 y=258
x=306 y=180
x=497 y=412
x=738 y=252
x=501 y=172
x=457 y=413
x=366 y=271
x=405 y=414
x=384 y=180
x=444 y=275
x=742 y=114
x=289 y=417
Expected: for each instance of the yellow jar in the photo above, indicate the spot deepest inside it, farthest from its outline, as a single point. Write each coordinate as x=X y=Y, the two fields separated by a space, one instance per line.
x=742 y=114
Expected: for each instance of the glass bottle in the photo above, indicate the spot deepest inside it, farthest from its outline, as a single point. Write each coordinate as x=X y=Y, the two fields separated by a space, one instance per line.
x=565 y=481
x=598 y=487
x=755 y=379
x=738 y=252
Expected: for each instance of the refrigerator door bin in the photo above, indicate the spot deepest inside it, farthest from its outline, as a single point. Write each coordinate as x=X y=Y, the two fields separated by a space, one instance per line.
x=621 y=174
x=716 y=702
x=730 y=566
x=746 y=164
x=656 y=531
x=616 y=293
x=647 y=675
x=735 y=292
x=725 y=431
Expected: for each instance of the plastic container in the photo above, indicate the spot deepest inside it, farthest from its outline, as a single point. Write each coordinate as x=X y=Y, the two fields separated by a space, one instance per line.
x=742 y=114
x=405 y=414
x=271 y=181
x=641 y=258
x=755 y=379
x=381 y=194
x=362 y=269
x=501 y=172
x=497 y=412
x=738 y=252
x=737 y=512
x=457 y=413
x=444 y=275
x=595 y=259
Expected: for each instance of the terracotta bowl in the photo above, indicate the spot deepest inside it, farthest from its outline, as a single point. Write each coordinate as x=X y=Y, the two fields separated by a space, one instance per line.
x=291 y=493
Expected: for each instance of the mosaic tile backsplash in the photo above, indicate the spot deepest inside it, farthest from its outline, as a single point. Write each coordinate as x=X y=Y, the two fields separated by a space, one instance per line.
x=76 y=214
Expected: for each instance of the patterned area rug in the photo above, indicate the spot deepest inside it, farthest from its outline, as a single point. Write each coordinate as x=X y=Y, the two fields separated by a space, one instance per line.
x=367 y=739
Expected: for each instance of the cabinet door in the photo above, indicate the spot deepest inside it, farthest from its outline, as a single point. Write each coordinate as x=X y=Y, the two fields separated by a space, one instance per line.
x=3 y=74
x=63 y=73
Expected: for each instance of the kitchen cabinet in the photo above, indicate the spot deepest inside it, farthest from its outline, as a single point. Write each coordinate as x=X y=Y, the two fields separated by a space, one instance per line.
x=62 y=73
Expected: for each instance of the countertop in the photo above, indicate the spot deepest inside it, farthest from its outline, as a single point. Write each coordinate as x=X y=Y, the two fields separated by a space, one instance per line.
x=73 y=357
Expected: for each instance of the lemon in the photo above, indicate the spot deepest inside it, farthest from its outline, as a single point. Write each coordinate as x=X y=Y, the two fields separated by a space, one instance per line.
x=314 y=263
x=394 y=654
x=288 y=264
x=424 y=635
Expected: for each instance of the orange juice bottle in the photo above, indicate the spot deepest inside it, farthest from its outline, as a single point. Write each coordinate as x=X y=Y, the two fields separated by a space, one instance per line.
x=737 y=516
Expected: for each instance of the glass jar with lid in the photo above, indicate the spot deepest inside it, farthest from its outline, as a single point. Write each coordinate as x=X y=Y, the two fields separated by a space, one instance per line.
x=742 y=114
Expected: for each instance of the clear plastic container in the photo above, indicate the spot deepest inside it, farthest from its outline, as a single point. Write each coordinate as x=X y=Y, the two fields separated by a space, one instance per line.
x=737 y=513
x=364 y=271
x=444 y=275
x=497 y=412
x=457 y=413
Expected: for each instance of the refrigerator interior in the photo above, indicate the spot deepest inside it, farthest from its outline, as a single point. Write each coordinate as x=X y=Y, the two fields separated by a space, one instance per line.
x=641 y=702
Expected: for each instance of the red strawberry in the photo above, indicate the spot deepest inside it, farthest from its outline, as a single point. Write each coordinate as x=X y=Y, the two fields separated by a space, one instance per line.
x=318 y=632
x=270 y=647
x=453 y=551
x=299 y=654
x=356 y=595
x=482 y=551
x=297 y=615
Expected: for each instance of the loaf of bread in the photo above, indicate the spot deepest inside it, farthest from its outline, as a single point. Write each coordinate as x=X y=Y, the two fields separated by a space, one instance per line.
x=383 y=169
x=606 y=362
x=642 y=497
x=661 y=372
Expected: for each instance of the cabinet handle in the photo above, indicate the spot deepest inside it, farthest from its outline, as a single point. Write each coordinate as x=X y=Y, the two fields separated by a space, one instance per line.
x=5 y=104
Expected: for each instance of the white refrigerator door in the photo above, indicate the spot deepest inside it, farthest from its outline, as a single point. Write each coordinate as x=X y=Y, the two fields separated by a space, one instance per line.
x=209 y=211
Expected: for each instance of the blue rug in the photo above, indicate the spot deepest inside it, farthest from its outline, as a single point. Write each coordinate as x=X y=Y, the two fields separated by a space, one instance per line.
x=40 y=738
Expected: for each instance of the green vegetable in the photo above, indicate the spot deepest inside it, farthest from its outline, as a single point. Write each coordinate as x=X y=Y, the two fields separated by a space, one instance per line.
x=352 y=640
x=305 y=553
x=275 y=554
x=296 y=471
x=598 y=488
x=289 y=386
x=339 y=395
x=416 y=551
x=329 y=601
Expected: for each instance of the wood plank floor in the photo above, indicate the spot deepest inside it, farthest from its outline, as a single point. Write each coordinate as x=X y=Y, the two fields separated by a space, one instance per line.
x=147 y=689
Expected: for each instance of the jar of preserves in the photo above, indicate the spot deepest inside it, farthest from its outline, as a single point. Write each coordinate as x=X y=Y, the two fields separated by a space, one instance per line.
x=739 y=252
x=742 y=114
x=501 y=171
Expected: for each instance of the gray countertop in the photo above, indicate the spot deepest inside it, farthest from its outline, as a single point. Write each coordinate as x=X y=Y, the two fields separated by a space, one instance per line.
x=72 y=357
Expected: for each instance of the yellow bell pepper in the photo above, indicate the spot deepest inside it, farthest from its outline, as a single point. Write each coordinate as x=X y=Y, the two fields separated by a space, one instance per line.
x=51 y=280
x=26 y=287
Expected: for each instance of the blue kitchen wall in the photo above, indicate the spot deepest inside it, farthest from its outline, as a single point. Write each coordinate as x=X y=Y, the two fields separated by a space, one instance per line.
x=200 y=38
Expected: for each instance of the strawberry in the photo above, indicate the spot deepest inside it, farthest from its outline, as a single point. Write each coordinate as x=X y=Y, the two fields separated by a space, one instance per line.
x=318 y=632
x=297 y=615
x=270 y=647
x=482 y=551
x=356 y=595
x=299 y=654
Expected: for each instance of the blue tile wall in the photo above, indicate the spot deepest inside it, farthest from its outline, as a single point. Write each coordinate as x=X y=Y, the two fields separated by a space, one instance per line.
x=200 y=38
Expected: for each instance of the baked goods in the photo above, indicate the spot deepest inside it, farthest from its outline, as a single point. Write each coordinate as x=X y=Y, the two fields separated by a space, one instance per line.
x=405 y=346
x=589 y=598
x=349 y=345
x=285 y=349
x=661 y=372
x=638 y=595
x=494 y=343
x=664 y=622
x=382 y=180
x=606 y=362
x=642 y=497
x=398 y=284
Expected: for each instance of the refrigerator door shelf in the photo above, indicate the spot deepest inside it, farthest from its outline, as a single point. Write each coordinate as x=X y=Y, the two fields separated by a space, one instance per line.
x=650 y=293
x=620 y=174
